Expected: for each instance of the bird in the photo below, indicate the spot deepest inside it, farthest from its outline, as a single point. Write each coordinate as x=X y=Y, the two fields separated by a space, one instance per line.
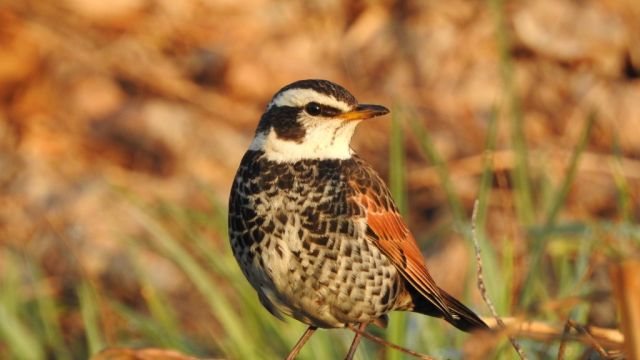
x=314 y=228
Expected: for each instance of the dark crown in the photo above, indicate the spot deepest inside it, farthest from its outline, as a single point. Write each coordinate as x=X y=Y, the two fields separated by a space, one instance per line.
x=325 y=87
x=284 y=119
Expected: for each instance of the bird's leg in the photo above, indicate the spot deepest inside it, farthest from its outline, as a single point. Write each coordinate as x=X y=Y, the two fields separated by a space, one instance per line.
x=296 y=349
x=356 y=341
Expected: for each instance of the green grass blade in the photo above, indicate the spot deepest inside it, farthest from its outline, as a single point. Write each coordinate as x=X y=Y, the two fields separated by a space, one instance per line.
x=18 y=338
x=152 y=330
x=396 y=332
x=563 y=191
x=397 y=170
x=235 y=342
x=541 y=240
x=90 y=316
x=428 y=147
x=165 y=319
x=268 y=331
x=22 y=342
x=520 y=174
x=494 y=271
x=487 y=171
x=48 y=312
x=221 y=262
x=623 y=197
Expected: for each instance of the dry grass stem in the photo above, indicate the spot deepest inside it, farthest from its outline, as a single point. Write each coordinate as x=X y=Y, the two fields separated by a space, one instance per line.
x=582 y=330
x=563 y=341
x=625 y=277
x=483 y=288
x=384 y=342
x=611 y=339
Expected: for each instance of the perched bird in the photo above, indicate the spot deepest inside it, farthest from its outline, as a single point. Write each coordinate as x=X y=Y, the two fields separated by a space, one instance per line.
x=314 y=228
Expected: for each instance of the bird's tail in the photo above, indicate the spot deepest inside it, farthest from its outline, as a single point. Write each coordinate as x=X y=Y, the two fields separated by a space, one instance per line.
x=459 y=315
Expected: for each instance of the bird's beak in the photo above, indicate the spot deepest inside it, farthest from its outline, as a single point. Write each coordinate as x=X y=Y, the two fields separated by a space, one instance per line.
x=364 y=111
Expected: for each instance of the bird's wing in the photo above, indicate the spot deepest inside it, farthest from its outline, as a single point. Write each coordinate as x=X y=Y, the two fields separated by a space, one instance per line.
x=389 y=232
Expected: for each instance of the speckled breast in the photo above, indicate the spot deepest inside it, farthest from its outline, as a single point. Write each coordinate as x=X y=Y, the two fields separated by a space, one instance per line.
x=301 y=241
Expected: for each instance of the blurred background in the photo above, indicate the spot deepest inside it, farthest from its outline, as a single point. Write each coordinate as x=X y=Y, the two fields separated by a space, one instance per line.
x=122 y=124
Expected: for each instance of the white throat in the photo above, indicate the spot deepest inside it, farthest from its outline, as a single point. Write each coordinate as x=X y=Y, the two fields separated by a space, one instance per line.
x=325 y=139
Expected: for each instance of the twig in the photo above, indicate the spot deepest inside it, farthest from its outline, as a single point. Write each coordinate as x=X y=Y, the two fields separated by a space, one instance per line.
x=625 y=277
x=538 y=330
x=563 y=340
x=483 y=288
x=384 y=342
x=594 y=343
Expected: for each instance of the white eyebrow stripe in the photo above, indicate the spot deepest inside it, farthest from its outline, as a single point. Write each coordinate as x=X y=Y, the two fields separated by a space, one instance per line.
x=301 y=97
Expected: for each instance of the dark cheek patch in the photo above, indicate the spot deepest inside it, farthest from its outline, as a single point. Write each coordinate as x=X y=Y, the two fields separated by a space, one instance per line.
x=292 y=133
x=283 y=119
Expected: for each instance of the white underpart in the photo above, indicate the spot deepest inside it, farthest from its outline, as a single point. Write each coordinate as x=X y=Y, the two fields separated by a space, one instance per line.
x=324 y=138
x=301 y=97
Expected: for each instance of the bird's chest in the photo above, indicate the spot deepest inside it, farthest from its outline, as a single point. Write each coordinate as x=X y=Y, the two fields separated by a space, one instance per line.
x=298 y=203
x=303 y=244
x=276 y=207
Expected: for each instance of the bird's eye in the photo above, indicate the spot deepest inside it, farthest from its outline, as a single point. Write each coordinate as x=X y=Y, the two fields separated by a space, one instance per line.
x=313 y=109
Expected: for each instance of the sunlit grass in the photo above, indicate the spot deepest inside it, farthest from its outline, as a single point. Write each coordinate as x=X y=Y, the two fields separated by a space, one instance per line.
x=551 y=262
x=89 y=309
x=246 y=330
x=520 y=174
x=17 y=328
x=542 y=235
x=397 y=330
x=32 y=314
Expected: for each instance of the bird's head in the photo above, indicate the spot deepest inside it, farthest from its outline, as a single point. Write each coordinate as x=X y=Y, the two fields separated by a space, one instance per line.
x=311 y=119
